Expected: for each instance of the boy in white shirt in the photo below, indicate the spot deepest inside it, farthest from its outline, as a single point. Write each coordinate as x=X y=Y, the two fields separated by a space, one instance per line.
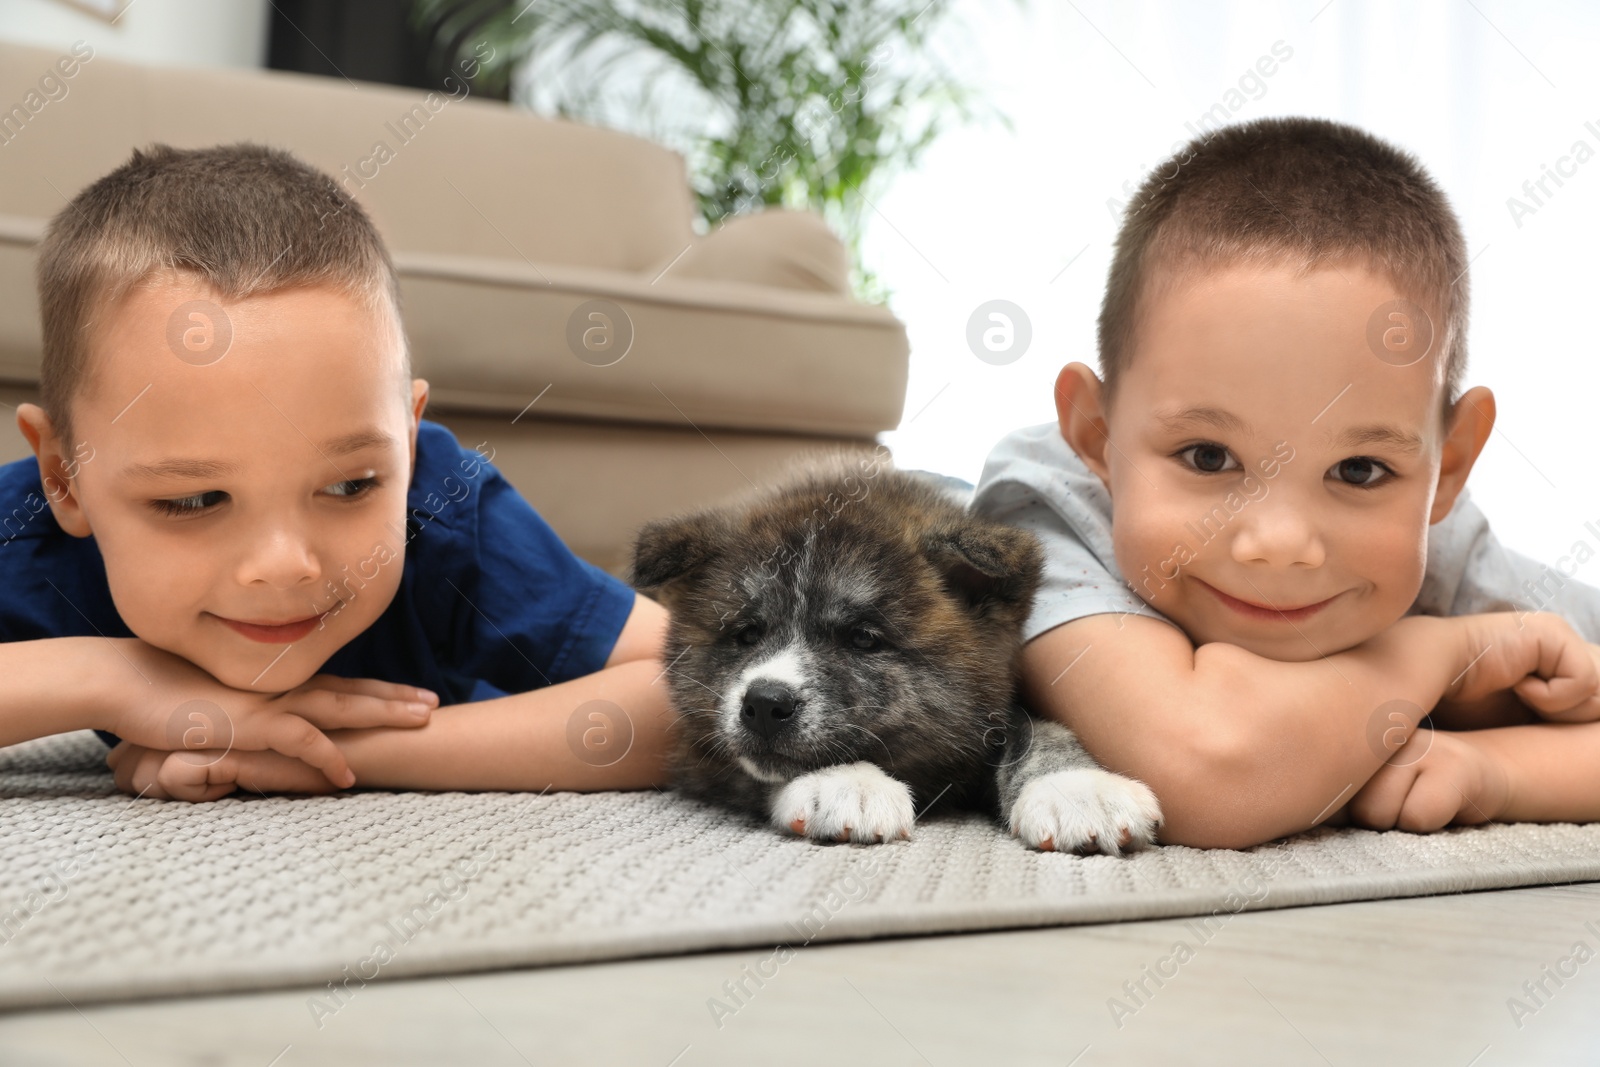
x=1259 y=623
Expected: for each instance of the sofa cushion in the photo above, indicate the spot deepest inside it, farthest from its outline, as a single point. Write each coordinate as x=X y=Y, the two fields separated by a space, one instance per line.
x=698 y=352
x=775 y=247
x=468 y=176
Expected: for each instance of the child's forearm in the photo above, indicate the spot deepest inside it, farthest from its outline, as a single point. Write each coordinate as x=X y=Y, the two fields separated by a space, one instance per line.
x=562 y=737
x=1554 y=770
x=1311 y=733
x=1503 y=708
x=48 y=687
x=1240 y=749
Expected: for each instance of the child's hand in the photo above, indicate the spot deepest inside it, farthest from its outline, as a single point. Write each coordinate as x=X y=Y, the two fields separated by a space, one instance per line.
x=1453 y=780
x=199 y=776
x=1537 y=655
x=185 y=708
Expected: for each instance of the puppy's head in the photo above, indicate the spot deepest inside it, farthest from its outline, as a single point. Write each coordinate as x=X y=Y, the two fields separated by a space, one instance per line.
x=846 y=615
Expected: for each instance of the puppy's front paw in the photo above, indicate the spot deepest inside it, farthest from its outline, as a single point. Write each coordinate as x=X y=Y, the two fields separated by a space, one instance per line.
x=1085 y=810
x=850 y=802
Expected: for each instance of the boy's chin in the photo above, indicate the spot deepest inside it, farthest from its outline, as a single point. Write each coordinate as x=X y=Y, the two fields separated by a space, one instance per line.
x=1298 y=647
x=258 y=677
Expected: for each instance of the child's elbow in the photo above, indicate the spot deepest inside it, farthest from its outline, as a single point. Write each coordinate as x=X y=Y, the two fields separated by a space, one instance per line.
x=1212 y=829
x=1210 y=799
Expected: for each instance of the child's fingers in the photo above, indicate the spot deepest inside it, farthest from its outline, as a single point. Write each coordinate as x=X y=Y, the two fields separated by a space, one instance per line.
x=344 y=709
x=372 y=687
x=1589 y=710
x=1377 y=805
x=205 y=775
x=1569 y=698
x=1566 y=666
x=136 y=770
x=268 y=772
x=1583 y=711
x=197 y=776
x=295 y=737
x=1404 y=797
x=1429 y=805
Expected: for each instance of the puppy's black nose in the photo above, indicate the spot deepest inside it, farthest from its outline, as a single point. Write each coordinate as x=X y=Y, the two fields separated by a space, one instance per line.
x=768 y=708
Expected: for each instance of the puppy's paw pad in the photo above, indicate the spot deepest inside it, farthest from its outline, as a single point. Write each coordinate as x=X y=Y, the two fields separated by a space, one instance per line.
x=851 y=802
x=1085 y=810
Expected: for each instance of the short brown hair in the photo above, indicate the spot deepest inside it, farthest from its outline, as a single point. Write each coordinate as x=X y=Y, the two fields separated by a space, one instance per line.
x=244 y=218
x=1289 y=190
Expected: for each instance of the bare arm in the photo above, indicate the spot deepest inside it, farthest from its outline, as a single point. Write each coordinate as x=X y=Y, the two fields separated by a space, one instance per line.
x=643 y=635
x=149 y=696
x=1552 y=770
x=607 y=730
x=47 y=688
x=1534 y=773
x=1239 y=749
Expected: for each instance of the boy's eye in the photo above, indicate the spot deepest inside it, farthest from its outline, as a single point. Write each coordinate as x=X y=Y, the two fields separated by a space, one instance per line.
x=1209 y=459
x=1363 y=472
x=190 y=505
x=349 y=489
x=353 y=487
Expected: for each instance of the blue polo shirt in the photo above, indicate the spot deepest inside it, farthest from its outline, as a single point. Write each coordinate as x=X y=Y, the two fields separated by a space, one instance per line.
x=490 y=602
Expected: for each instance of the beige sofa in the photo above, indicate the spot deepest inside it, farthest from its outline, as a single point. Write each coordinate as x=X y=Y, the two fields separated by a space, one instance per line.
x=745 y=346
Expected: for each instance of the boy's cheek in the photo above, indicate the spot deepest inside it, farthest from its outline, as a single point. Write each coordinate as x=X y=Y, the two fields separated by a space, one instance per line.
x=1150 y=546
x=164 y=595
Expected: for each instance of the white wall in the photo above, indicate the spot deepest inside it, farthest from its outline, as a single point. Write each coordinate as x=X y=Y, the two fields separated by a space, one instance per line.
x=179 y=33
x=1484 y=93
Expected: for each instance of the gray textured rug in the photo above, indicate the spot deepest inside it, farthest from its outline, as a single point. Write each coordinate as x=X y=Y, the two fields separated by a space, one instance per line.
x=104 y=897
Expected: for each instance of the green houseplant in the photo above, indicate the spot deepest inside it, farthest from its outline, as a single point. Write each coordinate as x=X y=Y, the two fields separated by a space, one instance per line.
x=799 y=103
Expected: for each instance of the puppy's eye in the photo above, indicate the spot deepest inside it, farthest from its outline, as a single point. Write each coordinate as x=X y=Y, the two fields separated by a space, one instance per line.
x=865 y=639
x=748 y=634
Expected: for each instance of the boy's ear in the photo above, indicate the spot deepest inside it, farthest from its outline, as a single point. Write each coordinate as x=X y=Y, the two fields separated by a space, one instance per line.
x=1082 y=422
x=419 y=401
x=1471 y=422
x=667 y=551
x=56 y=468
x=992 y=567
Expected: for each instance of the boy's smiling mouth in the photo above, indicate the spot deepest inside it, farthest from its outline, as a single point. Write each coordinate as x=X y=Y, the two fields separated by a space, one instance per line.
x=1258 y=611
x=273 y=633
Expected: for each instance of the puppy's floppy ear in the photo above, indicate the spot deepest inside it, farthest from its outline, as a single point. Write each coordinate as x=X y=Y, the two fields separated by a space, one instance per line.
x=665 y=551
x=987 y=564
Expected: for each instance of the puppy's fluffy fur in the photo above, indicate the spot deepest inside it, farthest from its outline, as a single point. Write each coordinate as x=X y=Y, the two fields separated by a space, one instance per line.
x=843 y=653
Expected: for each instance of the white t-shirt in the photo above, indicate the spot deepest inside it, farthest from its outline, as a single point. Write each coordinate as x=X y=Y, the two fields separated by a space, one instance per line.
x=1033 y=479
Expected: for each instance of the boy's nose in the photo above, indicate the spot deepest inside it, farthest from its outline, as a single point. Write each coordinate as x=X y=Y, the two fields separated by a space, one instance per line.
x=281 y=558
x=1277 y=533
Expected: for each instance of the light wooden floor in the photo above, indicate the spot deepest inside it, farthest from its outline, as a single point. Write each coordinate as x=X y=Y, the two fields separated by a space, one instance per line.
x=1419 y=981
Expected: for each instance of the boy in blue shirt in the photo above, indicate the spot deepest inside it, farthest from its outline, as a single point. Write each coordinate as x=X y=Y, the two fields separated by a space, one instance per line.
x=238 y=532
